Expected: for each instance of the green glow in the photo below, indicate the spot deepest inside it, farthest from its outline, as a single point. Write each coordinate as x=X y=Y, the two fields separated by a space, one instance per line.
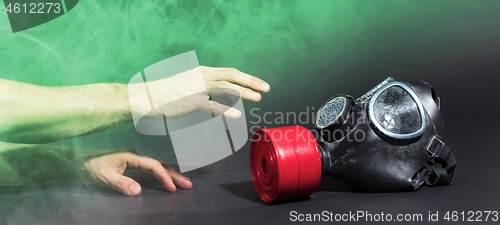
x=109 y=41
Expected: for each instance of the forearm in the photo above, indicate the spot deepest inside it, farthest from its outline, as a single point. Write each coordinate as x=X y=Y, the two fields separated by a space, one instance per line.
x=25 y=164
x=38 y=114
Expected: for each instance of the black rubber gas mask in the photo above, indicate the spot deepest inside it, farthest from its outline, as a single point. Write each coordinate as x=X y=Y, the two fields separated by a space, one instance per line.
x=389 y=139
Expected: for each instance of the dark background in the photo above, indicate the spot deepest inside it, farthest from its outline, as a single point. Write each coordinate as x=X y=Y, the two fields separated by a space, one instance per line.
x=453 y=45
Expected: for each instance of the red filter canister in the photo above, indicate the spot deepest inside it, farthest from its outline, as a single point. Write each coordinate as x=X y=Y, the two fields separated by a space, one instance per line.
x=285 y=163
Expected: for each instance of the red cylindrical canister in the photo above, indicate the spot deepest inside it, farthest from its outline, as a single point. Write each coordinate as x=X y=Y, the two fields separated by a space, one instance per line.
x=285 y=163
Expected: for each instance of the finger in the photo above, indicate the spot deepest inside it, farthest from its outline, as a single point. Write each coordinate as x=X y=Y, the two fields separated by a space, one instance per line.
x=218 y=109
x=235 y=76
x=225 y=87
x=155 y=167
x=178 y=178
x=123 y=184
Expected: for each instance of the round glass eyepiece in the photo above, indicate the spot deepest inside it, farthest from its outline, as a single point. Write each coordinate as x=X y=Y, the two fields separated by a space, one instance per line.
x=396 y=111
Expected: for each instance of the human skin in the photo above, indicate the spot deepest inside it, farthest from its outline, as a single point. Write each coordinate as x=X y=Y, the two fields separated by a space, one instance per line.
x=27 y=164
x=38 y=114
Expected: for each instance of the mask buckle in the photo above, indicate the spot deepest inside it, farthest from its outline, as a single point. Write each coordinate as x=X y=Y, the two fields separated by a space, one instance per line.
x=435 y=146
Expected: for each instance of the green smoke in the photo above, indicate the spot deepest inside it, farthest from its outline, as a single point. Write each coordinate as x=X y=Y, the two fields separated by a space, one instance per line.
x=109 y=41
x=305 y=49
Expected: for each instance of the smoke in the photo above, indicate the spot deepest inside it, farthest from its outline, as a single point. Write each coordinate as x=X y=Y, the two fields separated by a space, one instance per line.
x=109 y=41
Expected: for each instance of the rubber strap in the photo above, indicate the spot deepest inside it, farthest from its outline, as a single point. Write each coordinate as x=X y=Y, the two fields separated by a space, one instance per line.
x=441 y=168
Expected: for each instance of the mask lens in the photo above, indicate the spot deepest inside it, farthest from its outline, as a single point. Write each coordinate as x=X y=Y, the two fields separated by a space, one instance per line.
x=397 y=112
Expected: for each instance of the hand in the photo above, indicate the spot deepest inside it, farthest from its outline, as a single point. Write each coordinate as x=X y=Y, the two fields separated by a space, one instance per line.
x=174 y=96
x=107 y=170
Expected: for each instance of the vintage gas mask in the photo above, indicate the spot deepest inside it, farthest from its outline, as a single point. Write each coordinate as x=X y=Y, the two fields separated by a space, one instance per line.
x=389 y=139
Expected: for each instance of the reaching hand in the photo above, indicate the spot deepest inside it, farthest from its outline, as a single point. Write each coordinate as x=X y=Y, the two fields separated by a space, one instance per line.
x=174 y=96
x=107 y=170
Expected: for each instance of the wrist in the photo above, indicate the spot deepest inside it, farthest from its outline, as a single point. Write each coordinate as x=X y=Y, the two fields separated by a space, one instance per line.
x=139 y=102
x=123 y=107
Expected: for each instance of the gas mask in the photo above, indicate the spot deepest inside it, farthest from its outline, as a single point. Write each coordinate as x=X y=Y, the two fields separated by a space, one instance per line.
x=388 y=140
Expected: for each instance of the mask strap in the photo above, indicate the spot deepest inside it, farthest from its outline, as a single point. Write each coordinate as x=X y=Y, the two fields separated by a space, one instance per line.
x=442 y=165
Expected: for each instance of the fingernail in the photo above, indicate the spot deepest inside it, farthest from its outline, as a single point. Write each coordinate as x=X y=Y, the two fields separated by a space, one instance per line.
x=134 y=189
x=233 y=113
x=256 y=95
x=265 y=86
x=187 y=178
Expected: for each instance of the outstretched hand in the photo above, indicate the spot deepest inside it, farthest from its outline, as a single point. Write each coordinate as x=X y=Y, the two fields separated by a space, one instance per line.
x=189 y=91
x=107 y=170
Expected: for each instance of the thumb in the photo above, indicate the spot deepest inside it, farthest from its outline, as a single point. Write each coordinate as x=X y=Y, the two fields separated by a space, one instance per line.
x=124 y=184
